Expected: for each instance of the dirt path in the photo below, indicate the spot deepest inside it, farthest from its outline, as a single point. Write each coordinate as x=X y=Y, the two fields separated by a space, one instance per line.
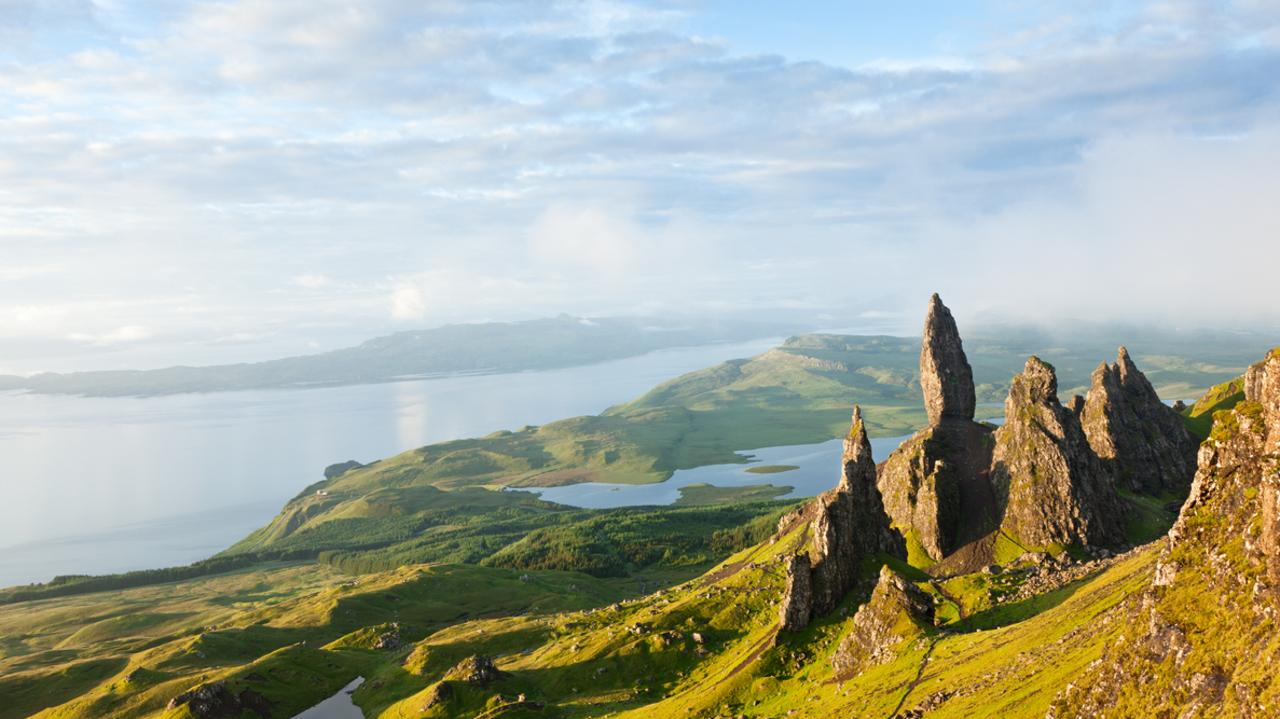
x=924 y=662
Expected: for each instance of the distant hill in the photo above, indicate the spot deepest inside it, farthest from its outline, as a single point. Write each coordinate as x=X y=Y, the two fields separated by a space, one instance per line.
x=562 y=341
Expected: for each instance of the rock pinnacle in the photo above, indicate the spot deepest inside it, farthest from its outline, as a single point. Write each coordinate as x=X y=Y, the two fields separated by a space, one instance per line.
x=945 y=376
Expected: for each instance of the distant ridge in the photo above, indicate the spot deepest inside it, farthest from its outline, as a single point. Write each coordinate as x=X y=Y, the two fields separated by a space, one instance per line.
x=550 y=343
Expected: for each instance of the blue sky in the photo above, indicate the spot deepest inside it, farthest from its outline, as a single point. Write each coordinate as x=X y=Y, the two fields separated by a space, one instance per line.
x=212 y=181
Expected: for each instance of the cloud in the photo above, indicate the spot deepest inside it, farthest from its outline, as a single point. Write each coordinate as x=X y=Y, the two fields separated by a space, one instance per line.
x=311 y=281
x=170 y=163
x=119 y=335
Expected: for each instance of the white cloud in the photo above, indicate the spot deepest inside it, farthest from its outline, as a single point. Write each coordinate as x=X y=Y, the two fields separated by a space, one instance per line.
x=119 y=335
x=407 y=302
x=312 y=281
x=399 y=162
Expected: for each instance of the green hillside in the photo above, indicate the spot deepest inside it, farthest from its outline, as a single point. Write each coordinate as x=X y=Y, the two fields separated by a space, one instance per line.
x=798 y=393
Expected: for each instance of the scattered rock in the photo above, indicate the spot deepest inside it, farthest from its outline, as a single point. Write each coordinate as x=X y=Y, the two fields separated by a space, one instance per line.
x=215 y=701
x=477 y=669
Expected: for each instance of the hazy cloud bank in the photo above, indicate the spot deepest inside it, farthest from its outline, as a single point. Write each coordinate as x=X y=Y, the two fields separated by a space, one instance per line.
x=205 y=182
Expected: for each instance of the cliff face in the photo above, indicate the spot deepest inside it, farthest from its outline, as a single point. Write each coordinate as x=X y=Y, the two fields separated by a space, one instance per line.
x=1050 y=486
x=1204 y=640
x=936 y=485
x=1141 y=442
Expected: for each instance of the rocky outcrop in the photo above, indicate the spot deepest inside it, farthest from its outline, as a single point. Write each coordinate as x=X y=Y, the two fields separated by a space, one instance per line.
x=477 y=669
x=216 y=701
x=897 y=612
x=1049 y=485
x=1203 y=629
x=1141 y=442
x=936 y=485
x=797 y=599
x=846 y=525
x=849 y=523
x=945 y=375
x=334 y=471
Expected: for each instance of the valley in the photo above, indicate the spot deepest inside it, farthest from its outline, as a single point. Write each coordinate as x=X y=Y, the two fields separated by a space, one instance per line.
x=453 y=594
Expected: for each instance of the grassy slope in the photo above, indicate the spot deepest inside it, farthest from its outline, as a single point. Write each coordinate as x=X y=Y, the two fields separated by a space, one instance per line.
x=592 y=664
x=297 y=632
x=798 y=393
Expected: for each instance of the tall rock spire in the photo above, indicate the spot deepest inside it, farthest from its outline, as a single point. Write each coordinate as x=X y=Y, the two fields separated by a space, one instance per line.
x=856 y=461
x=945 y=375
x=847 y=524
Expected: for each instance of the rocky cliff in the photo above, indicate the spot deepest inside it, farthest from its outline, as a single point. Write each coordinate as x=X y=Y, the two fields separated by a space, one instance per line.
x=1141 y=442
x=1049 y=485
x=1204 y=630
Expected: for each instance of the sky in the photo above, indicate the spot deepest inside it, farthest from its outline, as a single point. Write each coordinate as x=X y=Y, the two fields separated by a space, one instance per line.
x=201 y=182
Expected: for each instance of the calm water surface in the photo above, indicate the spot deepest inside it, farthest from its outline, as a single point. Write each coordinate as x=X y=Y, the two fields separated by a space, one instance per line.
x=338 y=706
x=817 y=470
x=96 y=485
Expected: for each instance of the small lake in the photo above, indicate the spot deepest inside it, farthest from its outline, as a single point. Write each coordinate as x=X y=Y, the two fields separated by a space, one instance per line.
x=817 y=470
x=338 y=706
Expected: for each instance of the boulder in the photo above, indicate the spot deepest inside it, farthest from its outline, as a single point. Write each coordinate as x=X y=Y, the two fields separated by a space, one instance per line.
x=897 y=612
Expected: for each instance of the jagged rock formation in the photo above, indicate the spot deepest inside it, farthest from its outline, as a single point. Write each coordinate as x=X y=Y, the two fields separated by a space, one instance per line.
x=945 y=375
x=846 y=524
x=898 y=611
x=849 y=523
x=1050 y=486
x=1141 y=442
x=1204 y=640
x=935 y=484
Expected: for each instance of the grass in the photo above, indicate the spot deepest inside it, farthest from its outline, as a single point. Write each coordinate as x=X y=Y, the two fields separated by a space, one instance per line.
x=771 y=468
x=709 y=494
x=1199 y=416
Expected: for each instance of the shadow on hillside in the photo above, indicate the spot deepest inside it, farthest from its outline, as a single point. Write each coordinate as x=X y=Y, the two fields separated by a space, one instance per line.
x=1015 y=612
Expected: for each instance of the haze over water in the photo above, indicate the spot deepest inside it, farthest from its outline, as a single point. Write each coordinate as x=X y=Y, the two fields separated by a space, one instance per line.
x=99 y=485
